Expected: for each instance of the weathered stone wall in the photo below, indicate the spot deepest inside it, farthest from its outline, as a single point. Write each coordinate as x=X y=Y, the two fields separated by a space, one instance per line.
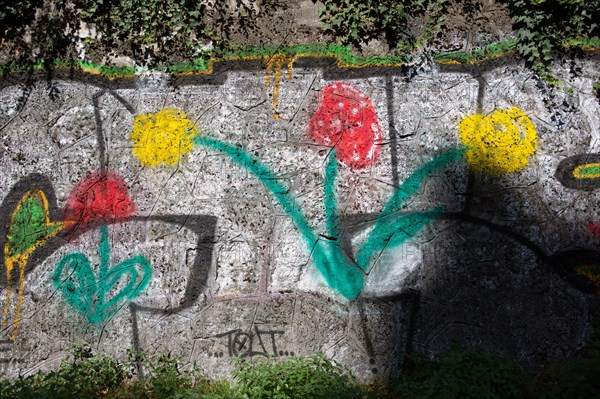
x=208 y=215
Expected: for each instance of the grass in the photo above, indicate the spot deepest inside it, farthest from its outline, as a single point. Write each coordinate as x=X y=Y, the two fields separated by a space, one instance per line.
x=458 y=374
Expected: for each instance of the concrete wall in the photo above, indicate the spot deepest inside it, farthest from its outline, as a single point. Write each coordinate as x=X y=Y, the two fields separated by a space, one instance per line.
x=209 y=216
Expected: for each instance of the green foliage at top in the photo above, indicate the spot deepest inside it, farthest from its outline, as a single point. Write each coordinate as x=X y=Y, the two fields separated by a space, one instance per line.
x=296 y=377
x=544 y=25
x=34 y=30
x=355 y=22
x=147 y=28
x=151 y=32
x=182 y=35
x=157 y=31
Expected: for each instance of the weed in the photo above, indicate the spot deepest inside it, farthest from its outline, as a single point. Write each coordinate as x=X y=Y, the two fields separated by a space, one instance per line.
x=297 y=377
x=85 y=376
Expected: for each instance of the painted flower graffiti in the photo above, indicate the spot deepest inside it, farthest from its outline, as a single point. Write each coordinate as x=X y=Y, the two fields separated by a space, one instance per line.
x=162 y=137
x=347 y=121
x=99 y=291
x=100 y=197
x=498 y=143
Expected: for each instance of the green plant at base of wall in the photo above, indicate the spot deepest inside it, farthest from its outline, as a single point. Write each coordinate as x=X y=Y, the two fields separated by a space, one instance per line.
x=458 y=374
x=297 y=377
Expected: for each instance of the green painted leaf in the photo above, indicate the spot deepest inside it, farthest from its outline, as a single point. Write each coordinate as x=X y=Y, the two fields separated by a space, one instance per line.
x=29 y=226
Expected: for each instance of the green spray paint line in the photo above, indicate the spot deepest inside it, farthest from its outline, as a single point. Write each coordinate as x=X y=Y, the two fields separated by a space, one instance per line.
x=478 y=54
x=587 y=171
x=331 y=208
x=339 y=275
x=386 y=227
x=88 y=294
x=331 y=214
x=344 y=53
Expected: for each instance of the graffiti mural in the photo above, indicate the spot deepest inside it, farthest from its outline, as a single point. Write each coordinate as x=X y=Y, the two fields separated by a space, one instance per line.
x=30 y=227
x=580 y=172
x=492 y=144
x=375 y=216
x=98 y=296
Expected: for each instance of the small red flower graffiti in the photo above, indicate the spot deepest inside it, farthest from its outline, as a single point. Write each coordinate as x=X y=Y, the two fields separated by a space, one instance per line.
x=347 y=120
x=99 y=197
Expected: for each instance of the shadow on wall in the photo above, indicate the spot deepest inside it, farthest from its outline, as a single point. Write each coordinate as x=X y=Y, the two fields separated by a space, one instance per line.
x=483 y=283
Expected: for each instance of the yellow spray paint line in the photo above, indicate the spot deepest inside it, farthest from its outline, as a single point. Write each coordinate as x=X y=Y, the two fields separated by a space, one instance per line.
x=587 y=171
x=275 y=63
x=21 y=262
x=21 y=259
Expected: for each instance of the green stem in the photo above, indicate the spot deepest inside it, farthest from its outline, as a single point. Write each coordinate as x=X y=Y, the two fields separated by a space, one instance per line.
x=346 y=279
x=384 y=230
x=331 y=209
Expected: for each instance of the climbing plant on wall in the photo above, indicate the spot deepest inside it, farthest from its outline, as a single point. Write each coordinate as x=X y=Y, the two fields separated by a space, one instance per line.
x=149 y=31
x=544 y=25
x=355 y=22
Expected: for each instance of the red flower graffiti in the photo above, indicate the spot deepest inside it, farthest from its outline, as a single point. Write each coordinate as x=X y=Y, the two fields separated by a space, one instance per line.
x=99 y=197
x=346 y=119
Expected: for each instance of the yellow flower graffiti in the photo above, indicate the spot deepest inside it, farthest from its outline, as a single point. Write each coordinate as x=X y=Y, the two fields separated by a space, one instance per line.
x=162 y=137
x=499 y=143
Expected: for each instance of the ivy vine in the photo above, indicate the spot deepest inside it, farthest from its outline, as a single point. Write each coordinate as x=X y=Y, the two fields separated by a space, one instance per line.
x=545 y=26
x=356 y=22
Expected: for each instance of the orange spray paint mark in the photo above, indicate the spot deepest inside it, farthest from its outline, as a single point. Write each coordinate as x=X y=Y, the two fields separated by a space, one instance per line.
x=275 y=63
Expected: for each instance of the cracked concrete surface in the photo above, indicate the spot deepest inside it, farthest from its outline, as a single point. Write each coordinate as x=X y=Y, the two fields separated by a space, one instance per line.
x=231 y=273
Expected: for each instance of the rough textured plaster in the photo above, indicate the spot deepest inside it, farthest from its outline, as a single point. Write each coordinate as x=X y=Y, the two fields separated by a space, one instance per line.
x=480 y=277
